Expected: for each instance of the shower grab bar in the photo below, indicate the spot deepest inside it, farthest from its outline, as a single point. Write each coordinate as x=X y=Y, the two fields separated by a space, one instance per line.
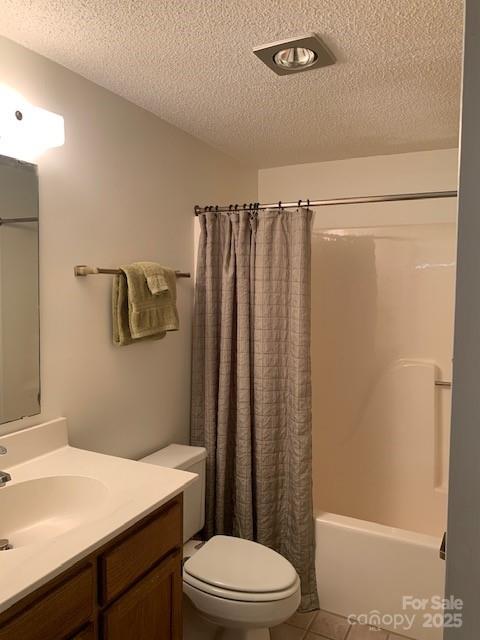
x=16 y=220
x=443 y=383
x=442 y=552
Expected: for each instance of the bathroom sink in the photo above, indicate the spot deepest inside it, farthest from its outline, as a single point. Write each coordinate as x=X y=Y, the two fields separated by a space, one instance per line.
x=43 y=508
x=62 y=503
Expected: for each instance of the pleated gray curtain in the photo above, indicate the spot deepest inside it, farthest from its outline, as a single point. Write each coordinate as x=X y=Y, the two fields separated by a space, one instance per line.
x=251 y=385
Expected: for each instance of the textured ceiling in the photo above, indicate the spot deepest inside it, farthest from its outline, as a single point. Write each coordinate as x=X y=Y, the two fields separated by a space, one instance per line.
x=394 y=88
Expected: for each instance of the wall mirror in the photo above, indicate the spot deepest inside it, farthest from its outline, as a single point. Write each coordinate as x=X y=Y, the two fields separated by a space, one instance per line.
x=19 y=296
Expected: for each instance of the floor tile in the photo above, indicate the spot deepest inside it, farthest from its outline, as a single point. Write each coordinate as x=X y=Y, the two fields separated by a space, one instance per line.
x=364 y=632
x=286 y=632
x=314 y=636
x=302 y=620
x=329 y=625
x=393 y=636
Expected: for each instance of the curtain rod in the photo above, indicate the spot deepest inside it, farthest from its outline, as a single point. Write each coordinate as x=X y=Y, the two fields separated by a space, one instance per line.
x=394 y=197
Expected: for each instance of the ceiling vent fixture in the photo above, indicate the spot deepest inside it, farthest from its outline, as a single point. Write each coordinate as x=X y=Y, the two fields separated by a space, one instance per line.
x=295 y=54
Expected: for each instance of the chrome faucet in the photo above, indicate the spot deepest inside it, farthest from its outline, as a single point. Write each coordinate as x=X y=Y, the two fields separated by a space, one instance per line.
x=4 y=476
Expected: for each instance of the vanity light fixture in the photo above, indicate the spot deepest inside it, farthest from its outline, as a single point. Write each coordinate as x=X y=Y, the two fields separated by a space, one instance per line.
x=295 y=54
x=26 y=131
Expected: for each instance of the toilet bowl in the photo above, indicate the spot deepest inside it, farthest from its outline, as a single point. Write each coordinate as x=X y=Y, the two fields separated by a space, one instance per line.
x=241 y=586
x=238 y=585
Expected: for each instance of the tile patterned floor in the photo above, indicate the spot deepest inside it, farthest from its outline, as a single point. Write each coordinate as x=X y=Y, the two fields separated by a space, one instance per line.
x=322 y=625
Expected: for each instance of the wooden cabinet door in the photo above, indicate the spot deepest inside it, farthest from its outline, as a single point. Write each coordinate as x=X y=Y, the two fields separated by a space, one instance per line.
x=85 y=634
x=150 y=610
x=141 y=550
x=57 y=613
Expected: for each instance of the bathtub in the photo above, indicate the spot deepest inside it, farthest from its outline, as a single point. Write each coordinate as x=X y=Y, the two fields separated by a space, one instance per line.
x=366 y=570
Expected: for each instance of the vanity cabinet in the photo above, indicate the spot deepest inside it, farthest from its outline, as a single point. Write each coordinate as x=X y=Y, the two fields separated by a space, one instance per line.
x=129 y=588
x=67 y=606
x=150 y=609
x=88 y=633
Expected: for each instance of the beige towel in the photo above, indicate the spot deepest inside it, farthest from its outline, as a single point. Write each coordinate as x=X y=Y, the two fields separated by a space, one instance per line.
x=143 y=303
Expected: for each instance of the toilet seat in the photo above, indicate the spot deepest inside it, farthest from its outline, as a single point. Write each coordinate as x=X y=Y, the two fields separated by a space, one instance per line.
x=240 y=596
x=241 y=570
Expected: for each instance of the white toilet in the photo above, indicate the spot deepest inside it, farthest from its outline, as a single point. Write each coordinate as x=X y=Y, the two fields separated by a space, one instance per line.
x=241 y=586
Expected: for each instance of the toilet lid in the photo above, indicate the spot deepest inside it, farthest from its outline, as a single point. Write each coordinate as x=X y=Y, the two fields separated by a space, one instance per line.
x=241 y=565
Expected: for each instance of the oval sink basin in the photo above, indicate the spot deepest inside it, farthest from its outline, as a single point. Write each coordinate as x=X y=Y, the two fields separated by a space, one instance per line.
x=41 y=509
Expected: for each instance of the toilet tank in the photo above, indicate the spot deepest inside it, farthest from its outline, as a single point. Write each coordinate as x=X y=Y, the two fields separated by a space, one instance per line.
x=193 y=459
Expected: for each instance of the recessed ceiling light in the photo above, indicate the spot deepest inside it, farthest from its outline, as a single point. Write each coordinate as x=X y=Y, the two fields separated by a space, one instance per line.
x=295 y=58
x=295 y=54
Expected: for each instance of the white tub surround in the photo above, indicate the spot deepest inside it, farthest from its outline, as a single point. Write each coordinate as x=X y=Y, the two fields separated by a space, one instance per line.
x=63 y=503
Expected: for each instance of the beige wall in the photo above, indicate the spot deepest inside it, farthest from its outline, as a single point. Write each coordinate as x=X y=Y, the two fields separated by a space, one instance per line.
x=401 y=173
x=382 y=329
x=121 y=189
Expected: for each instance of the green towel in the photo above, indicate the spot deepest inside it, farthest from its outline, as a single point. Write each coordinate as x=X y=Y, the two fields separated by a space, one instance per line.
x=143 y=303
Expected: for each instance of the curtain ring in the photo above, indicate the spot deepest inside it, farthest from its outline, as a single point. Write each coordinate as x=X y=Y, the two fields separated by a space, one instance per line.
x=279 y=205
x=236 y=207
x=308 y=204
x=230 y=206
x=299 y=204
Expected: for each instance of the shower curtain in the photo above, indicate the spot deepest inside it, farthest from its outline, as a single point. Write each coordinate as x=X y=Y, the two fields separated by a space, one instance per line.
x=251 y=387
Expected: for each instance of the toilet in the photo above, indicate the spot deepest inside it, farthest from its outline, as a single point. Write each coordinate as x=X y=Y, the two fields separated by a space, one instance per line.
x=240 y=586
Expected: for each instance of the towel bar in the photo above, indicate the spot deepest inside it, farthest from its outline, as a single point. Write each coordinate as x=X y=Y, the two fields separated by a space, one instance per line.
x=85 y=270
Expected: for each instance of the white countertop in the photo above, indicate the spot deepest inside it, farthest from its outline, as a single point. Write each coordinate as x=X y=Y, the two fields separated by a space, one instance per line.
x=131 y=490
